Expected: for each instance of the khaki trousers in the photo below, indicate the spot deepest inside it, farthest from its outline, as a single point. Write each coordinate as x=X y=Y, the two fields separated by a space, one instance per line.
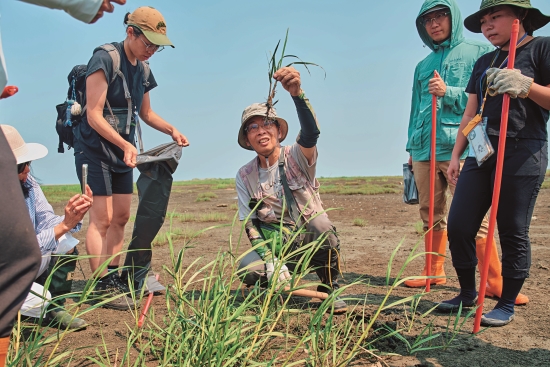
x=421 y=172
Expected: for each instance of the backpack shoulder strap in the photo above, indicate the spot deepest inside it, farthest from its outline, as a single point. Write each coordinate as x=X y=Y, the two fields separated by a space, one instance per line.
x=146 y=72
x=288 y=197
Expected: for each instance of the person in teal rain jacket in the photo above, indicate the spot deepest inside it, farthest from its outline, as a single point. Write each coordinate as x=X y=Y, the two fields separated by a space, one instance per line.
x=444 y=73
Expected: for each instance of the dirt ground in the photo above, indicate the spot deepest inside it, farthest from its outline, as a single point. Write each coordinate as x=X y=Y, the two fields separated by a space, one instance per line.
x=366 y=251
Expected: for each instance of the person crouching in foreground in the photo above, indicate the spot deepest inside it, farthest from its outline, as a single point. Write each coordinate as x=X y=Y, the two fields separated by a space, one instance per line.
x=261 y=187
x=53 y=233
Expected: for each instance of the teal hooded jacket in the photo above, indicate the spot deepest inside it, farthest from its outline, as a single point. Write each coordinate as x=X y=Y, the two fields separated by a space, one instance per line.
x=454 y=60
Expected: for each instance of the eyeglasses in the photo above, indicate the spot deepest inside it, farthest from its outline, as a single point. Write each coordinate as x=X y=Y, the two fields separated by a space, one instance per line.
x=155 y=48
x=438 y=18
x=21 y=166
x=266 y=124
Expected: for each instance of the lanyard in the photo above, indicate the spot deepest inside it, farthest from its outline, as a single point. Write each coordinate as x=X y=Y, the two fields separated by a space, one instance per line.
x=482 y=95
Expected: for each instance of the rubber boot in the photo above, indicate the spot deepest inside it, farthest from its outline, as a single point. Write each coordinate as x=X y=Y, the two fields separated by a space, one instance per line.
x=61 y=282
x=61 y=279
x=439 y=245
x=494 y=276
x=4 y=344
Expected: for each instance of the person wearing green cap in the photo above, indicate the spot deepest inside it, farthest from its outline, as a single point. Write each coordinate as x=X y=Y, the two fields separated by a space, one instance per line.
x=439 y=25
x=525 y=158
x=108 y=148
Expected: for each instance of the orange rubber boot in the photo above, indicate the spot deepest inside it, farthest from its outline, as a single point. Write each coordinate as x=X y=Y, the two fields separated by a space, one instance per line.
x=494 y=276
x=4 y=344
x=439 y=245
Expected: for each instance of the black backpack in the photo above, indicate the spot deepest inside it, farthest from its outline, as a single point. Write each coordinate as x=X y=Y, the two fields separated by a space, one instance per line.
x=70 y=112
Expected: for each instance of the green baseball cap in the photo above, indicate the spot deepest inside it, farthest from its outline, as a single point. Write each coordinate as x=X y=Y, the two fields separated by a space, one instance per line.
x=536 y=18
x=151 y=22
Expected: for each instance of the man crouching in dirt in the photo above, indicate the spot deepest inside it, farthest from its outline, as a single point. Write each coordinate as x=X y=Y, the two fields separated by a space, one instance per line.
x=263 y=182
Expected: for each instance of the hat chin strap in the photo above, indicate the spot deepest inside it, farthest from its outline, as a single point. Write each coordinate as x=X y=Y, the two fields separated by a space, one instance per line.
x=272 y=151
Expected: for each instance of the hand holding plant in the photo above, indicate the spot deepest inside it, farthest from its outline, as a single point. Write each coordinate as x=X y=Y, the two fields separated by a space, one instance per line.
x=290 y=80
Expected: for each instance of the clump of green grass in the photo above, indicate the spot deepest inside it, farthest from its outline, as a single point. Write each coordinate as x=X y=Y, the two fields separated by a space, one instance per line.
x=163 y=238
x=234 y=206
x=222 y=186
x=419 y=227
x=208 y=323
x=205 y=217
x=206 y=196
x=358 y=222
x=274 y=65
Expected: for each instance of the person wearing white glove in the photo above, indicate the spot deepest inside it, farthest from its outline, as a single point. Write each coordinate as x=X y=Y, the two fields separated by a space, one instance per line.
x=275 y=267
x=509 y=81
x=526 y=152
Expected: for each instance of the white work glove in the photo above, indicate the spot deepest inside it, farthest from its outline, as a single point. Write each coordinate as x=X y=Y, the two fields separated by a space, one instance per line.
x=274 y=265
x=509 y=81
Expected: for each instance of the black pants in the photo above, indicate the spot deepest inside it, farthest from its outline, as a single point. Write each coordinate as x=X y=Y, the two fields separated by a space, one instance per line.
x=525 y=162
x=325 y=260
x=20 y=254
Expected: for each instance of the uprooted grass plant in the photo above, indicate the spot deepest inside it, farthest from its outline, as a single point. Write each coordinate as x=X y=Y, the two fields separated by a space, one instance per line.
x=210 y=319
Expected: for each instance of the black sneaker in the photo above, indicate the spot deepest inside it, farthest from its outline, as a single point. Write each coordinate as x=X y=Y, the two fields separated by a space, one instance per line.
x=111 y=286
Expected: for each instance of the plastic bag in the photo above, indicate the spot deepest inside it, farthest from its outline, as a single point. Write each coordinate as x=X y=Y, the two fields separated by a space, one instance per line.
x=154 y=187
x=410 y=192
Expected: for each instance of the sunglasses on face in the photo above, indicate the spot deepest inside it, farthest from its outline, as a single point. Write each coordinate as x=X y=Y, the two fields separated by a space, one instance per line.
x=266 y=124
x=21 y=166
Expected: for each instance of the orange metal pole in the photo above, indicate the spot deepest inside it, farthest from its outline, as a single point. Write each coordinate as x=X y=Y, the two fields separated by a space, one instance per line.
x=146 y=307
x=498 y=180
x=433 y=157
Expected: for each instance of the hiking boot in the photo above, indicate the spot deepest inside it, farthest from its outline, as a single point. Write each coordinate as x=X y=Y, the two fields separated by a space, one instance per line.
x=67 y=321
x=111 y=286
x=339 y=304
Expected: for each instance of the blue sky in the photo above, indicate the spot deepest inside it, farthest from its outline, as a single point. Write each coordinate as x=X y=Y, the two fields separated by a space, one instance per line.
x=368 y=48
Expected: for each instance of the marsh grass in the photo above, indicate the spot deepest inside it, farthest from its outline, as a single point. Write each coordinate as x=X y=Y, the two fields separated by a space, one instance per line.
x=206 y=196
x=419 y=227
x=360 y=185
x=358 y=222
x=205 y=217
x=209 y=322
x=60 y=193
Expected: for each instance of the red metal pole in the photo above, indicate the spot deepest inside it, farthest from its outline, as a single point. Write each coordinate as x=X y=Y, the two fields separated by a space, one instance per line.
x=433 y=157
x=498 y=180
x=146 y=307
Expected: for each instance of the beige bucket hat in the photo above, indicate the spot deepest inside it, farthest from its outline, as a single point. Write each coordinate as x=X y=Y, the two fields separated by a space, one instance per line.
x=260 y=109
x=23 y=152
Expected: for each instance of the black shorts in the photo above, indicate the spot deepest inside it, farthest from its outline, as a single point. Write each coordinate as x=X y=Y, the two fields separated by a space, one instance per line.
x=102 y=180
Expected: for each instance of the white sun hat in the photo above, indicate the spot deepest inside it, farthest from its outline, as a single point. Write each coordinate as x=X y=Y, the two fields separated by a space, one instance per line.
x=23 y=152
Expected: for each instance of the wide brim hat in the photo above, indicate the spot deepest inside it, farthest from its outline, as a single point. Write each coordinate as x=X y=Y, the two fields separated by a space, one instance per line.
x=260 y=109
x=536 y=18
x=151 y=22
x=23 y=152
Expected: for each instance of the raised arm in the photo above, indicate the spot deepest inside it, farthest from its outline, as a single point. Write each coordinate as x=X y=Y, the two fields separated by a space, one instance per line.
x=309 y=127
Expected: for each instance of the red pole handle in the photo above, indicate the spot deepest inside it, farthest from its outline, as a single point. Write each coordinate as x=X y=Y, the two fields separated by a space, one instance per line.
x=498 y=180
x=430 y=234
x=146 y=307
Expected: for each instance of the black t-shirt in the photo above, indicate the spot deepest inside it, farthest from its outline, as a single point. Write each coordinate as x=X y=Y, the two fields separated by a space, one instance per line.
x=526 y=119
x=87 y=140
